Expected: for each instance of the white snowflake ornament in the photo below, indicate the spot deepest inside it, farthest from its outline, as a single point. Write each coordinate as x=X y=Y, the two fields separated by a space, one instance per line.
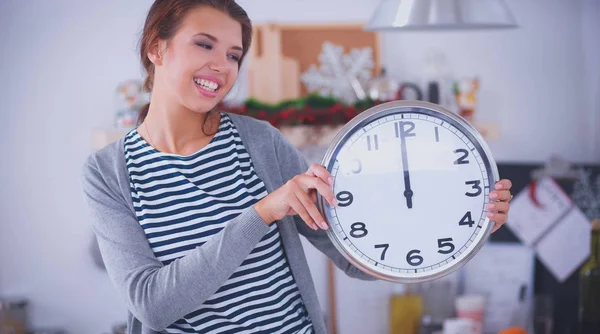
x=339 y=74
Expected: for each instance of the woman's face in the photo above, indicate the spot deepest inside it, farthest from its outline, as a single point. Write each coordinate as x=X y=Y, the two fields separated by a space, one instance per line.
x=200 y=63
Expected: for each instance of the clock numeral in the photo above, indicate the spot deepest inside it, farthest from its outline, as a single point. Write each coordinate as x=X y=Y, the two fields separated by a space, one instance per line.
x=462 y=160
x=467 y=220
x=344 y=198
x=445 y=243
x=375 y=143
x=404 y=131
x=358 y=168
x=385 y=248
x=413 y=259
x=437 y=135
x=358 y=230
x=476 y=184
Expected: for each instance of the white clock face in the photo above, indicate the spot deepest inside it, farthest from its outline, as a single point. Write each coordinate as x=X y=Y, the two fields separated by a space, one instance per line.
x=412 y=190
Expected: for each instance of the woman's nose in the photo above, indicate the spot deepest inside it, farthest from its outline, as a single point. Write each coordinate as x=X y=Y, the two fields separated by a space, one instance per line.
x=218 y=63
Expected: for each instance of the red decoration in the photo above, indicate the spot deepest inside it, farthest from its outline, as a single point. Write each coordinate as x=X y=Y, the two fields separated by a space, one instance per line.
x=304 y=114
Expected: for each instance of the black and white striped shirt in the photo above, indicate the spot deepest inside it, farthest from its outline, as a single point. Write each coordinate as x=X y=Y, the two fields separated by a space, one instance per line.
x=181 y=201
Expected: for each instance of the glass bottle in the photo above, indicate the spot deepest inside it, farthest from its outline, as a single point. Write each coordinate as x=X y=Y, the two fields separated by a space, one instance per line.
x=383 y=87
x=589 y=293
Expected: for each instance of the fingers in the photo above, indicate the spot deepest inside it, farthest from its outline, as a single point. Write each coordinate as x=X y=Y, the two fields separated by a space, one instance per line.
x=320 y=172
x=498 y=218
x=498 y=210
x=313 y=196
x=503 y=184
x=498 y=213
x=500 y=195
x=501 y=191
x=301 y=194
x=311 y=209
x=312 y=182
x=302 y=204
x=300 y=209
x=498 y=206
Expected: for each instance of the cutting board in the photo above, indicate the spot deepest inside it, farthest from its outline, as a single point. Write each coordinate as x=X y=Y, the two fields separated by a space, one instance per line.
x=280 y=53
x=272 y=76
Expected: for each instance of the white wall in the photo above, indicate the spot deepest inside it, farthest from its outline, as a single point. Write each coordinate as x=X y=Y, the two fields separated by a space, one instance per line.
x=591 y=56
x=61 y=60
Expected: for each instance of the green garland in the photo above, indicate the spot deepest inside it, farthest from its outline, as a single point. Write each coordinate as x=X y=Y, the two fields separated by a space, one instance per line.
x=313 y=109
x=309 y=101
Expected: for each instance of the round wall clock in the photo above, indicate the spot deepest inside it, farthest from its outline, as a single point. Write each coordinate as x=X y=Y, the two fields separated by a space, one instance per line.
x=412 y=180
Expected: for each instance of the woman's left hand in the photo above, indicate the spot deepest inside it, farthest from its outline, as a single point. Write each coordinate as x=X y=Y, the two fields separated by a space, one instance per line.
x=498 y=206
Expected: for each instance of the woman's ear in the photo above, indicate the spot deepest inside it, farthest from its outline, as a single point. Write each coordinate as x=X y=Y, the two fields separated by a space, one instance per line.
x=156 y=53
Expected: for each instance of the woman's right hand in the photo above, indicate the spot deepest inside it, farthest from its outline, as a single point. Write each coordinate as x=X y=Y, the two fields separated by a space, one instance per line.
x=298 y=196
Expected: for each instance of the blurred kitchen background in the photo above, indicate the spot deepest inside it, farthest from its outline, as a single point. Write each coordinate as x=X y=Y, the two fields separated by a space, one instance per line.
x=70 y=72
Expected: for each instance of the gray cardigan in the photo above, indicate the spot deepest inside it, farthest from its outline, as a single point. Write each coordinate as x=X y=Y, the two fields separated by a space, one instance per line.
x=157 y=295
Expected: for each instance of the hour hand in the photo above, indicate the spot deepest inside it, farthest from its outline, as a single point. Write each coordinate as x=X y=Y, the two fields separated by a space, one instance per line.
x=408 y=194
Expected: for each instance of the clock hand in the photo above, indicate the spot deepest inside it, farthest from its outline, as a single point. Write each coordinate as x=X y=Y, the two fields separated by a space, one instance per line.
x=403 y=133
x=408 y=193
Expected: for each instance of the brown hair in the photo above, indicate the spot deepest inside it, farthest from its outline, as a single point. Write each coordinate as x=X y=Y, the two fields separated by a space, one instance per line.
x=164 y=19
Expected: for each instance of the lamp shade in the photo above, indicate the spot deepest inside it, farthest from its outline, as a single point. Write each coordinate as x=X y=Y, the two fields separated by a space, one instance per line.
x=441 y=15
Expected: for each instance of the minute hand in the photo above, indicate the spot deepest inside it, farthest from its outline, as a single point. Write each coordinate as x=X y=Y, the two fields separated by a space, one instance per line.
x=405 y=130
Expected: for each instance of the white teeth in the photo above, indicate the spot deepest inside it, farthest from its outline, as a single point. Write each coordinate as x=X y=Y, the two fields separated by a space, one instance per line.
x=207 y=84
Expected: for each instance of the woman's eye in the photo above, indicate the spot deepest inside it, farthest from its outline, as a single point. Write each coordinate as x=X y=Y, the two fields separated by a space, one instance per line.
x=235 y=57
x=204 y=45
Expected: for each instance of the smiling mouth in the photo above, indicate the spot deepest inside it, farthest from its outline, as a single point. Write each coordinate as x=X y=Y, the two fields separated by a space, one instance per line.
x=207 y=85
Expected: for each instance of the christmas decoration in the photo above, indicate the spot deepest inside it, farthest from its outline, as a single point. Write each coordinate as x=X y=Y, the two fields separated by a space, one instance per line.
x=312 y=109
x=340 y=75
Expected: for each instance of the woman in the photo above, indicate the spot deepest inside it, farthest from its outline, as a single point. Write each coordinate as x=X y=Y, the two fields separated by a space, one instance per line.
x=184 y=205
